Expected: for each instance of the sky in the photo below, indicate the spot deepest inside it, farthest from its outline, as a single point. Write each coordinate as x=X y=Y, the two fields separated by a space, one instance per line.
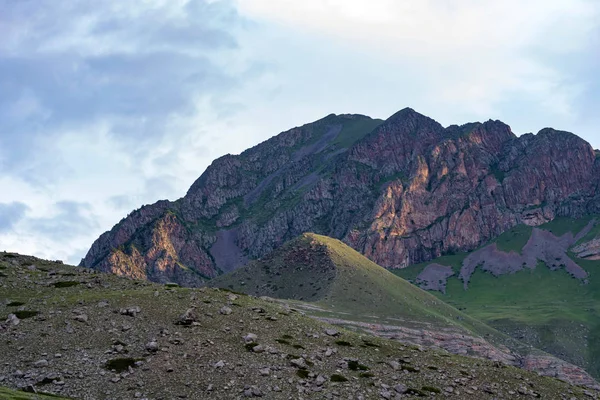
x=109 y=105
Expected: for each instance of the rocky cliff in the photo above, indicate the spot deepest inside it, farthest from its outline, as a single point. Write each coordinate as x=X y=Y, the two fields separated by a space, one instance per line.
x=400 y=191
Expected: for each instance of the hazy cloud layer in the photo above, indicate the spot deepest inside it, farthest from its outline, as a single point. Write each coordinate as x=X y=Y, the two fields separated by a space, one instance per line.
x=108 y=105
x=10 y=214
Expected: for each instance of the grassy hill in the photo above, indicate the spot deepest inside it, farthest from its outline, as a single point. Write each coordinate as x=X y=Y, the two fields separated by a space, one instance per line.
x=341 y=283
x=548 y=309
x=84 y=334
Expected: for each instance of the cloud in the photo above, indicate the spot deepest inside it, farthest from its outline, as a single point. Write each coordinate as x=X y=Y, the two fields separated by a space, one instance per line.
x=458 y=59
x=99 y=104
x=10 y=215
x=70 y=220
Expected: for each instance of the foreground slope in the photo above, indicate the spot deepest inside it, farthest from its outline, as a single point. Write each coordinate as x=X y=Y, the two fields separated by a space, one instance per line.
x=81 y=334
x=400 y=191
x=539 y=285
x=335 y=283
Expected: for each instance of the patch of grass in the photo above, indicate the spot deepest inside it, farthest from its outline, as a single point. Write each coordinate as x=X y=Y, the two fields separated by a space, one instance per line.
x=287 y=337
x=250 y=346
x=514 y=239
x=229 y=290
x=498 y=173
x=9 y=394
x=298 y=346
x=562 y=225
x=121 y=364
x=416 y=392
x=355 y=129
x=302 y=373
x=15 y=304
x=356 y=366
x=431 y=389
x=368 y=343
x=366 y=375
x=338 y=378
x=65 y=284
x=25 y=314
x=283 y=341
x=343 y=343
x=409 y=368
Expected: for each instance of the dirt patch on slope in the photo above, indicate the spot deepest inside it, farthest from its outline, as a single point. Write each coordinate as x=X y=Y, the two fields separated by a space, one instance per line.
x=434 y=277
x=542 y=246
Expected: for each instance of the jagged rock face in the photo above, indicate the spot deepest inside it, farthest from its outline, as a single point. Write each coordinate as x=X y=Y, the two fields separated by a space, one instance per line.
x=400 y=191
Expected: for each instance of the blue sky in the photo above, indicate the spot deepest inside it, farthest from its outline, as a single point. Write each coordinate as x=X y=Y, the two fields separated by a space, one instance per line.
x=108 y=105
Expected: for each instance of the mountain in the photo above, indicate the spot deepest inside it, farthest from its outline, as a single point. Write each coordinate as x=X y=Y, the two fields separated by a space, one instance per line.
x=537 y=284
x=401 y=191
x=334 y=283
x=76 y=333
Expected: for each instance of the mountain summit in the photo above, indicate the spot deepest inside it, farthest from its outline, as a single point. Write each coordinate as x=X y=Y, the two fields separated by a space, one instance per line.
x=401 y=191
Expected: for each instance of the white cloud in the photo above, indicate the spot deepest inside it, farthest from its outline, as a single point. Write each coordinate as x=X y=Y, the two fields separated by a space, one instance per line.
x=471 y=55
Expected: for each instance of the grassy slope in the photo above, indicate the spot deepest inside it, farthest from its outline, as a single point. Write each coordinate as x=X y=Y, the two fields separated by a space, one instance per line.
x=9 y=394
x=550 y=310
x=355 y=130
x=360 y=291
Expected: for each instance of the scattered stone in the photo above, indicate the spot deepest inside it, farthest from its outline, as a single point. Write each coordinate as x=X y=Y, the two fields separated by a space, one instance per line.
x=225 y=310
x=250 y=338
x=253 y=391
x=219 y=364
x=258 y=349
x=188 y=317
x=40 y=363
x=81 y=318
x=400 y=388
x=13 y=320
x=152 y=346
x=299 y=363
x=130 y=311
x=265 y=371
x=331 y=332
x=386 y=394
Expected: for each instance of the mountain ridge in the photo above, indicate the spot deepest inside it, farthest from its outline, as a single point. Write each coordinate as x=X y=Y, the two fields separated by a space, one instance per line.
x=401 y=191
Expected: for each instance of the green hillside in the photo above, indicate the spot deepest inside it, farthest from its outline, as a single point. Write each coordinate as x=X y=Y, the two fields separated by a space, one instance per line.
x=547 y=309
x=342 y=283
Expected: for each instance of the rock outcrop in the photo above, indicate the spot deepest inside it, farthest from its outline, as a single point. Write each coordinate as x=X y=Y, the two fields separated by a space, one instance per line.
x=400 y=191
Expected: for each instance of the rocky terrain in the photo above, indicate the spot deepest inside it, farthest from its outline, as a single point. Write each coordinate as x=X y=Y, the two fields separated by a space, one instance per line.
x=77 y=333
x=401 y=191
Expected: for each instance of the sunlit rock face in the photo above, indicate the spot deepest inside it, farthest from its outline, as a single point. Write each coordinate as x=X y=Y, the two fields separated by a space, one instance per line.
x=400 y=191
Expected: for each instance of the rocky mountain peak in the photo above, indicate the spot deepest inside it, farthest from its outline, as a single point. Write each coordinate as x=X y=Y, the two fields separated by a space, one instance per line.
x=400 y=191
